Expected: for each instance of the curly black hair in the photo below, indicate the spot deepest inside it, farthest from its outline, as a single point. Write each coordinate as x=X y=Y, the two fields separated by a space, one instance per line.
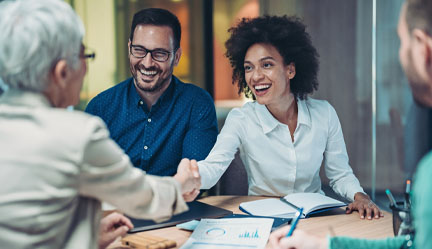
x=288 y=35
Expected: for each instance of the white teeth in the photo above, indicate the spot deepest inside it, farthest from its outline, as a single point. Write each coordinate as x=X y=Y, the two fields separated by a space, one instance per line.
x=148 y=73
x=261 y=87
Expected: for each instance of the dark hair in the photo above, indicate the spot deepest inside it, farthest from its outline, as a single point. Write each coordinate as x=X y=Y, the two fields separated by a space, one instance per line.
x=288 y=35
x=158 y=17
x=419 y=15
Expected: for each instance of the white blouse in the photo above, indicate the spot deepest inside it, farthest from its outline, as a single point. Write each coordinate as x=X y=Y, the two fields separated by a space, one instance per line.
x=275 y=165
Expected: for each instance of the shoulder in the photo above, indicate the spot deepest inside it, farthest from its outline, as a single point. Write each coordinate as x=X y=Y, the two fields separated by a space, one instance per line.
x=76 y=120
x=71 y=127
x=190 y=91
x=425 y=166
x=249 y=109
x=111 y=92
x=98 y=103
x=320 y=108
x=317 y=105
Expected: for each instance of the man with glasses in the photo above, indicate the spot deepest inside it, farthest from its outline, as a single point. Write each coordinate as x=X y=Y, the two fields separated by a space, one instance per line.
x=153 y=116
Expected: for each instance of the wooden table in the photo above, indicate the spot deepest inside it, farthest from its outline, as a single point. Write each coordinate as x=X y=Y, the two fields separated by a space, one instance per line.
x=341 y=223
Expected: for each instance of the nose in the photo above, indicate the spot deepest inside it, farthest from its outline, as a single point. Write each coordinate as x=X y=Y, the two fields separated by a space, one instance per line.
x=257 y=75
x=147 y=61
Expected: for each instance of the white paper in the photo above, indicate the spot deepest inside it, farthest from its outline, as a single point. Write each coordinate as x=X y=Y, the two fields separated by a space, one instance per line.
x=230 y=233
x=269 y=207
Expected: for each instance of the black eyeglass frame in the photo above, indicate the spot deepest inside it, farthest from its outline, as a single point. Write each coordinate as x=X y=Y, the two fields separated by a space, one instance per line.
x=87 y=53
x=90 y=55
x=151 y=52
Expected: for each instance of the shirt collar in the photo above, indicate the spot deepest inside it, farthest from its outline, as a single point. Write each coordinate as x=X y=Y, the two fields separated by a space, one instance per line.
x=24 y=98
x=268 y=122
x=303 y=113
x=167 y=95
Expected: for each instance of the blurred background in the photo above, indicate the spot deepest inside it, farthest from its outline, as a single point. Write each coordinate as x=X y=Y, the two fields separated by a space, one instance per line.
x=359 y=73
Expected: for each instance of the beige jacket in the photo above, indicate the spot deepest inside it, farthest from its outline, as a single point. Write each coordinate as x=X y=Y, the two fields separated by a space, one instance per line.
x=55 y=168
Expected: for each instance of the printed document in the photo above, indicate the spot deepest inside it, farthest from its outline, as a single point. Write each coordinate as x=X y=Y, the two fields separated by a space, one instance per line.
x=230 y=233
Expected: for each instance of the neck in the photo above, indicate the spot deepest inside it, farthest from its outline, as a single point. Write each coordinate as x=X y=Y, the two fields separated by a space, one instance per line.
x=52 y=94
x=285 y=110
x=151 y=97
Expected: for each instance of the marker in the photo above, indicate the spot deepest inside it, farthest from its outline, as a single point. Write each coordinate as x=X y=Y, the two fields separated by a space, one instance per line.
x=407 y=194
x=391 y=198
x=293 y=226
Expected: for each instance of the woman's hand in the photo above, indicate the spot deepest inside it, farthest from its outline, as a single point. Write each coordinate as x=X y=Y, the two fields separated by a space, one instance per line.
x=365 y=206
x=298 y=240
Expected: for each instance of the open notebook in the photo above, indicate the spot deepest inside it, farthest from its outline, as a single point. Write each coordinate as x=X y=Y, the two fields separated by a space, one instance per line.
x=286 y=207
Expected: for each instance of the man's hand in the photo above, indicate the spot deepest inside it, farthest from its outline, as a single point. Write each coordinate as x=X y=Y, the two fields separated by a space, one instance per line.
x=364 y=205
x=111 y=227
x=189 y=178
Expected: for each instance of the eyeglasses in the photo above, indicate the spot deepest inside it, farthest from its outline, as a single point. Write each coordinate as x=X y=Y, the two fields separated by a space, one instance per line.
x=87 y=54
x=156 y=54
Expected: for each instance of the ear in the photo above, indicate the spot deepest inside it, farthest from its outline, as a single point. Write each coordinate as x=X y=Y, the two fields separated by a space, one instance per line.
x=129 y=44
x=422 y=52
x=291 y=70
x=60 y=74
x=177 y=56
x=428 y=54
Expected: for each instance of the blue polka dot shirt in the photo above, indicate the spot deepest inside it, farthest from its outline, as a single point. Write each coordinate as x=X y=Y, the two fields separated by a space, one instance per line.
x=181 y=124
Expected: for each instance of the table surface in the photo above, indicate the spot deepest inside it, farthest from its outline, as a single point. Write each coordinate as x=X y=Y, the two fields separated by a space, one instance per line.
x=334 y=223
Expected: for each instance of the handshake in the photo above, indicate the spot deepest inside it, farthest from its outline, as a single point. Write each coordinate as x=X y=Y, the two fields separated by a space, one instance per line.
x=189 y=178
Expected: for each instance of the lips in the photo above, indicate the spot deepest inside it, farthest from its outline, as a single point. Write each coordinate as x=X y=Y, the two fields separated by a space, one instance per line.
x=261 y=89
x=147 y=74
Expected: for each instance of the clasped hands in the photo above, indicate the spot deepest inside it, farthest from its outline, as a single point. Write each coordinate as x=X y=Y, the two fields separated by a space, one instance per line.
x=189 y=178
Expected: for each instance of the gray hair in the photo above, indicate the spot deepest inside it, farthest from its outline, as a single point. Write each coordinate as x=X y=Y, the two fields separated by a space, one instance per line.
x=34 y=36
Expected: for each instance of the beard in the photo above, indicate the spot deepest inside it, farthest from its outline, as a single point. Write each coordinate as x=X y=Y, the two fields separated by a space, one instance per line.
x=421 y=89
x=145 y=86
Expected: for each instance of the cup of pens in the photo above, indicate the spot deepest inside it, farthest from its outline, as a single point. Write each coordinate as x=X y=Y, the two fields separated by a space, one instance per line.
x=401 y=210
x=400 y=214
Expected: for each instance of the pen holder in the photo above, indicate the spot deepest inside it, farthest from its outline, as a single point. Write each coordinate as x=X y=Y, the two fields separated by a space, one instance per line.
x=401 y=219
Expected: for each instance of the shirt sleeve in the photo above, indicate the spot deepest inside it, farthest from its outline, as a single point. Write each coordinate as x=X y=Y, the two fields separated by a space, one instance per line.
x=355 y=243
x=108 y=175
x=337 y=169
x=422 y=198
x=212 y=168
x=202 y=131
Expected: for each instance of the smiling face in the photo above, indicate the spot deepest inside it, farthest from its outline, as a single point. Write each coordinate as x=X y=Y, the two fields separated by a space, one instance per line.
x=267 y=75
x=151 y=75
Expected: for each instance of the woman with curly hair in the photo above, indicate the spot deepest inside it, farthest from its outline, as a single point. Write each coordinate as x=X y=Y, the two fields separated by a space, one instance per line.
x=283 y=135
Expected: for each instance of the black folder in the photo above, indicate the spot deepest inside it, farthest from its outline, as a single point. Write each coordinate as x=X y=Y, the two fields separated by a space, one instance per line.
x=197 y=210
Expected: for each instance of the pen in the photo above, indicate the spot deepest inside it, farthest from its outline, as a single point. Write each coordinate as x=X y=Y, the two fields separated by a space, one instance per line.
x=293 y=226
x=391 y=198
x=407 y=194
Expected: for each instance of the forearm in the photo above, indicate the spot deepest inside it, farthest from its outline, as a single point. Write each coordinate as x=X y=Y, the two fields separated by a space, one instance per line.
x=108 y=175
x=355 y=243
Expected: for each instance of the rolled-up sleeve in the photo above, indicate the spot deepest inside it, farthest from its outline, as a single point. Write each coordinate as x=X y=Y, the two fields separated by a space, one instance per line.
x=217 y=162
x=337 y=168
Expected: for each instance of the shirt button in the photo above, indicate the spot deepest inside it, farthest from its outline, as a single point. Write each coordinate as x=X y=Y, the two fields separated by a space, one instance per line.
x=141 y=102
x=145 y=147
x=149 y=120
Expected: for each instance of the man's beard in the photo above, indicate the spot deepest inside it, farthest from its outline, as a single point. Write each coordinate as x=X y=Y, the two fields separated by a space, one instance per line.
x=157 y=86
x=421 y=90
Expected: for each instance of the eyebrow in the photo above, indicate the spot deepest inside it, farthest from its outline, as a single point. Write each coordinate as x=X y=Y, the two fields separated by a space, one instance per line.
x=156 y=49
x=262 y=59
